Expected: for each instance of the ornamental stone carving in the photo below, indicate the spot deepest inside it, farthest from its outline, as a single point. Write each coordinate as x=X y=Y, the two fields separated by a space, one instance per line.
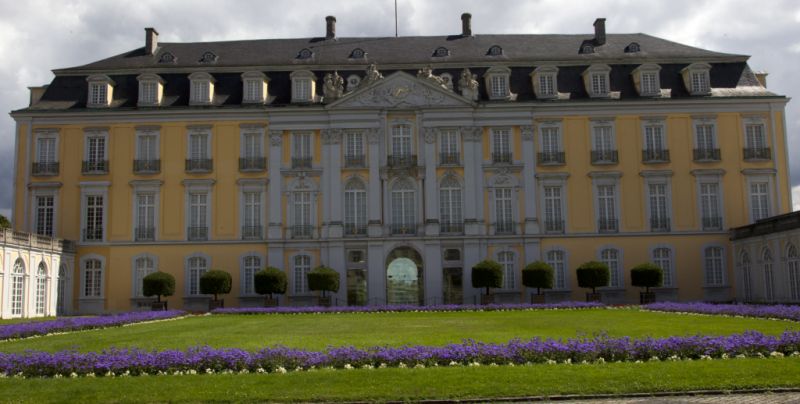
x=471 y=133
x=334 y=87
x=372 y=75
x=468 y=85
x=430 y=135
x=275 y=137
x=331 y=136
x=527 y=132
x=373 y=137
x=426 y=73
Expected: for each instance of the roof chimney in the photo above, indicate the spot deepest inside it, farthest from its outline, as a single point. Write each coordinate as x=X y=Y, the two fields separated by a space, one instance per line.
x=330 y=27
x=150 y=41
x=600 y=31
x=36 y=94
x=466 y=24
x=761 y=76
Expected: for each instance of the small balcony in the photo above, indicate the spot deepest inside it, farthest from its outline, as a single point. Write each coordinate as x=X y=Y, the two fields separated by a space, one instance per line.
x=199 y=165
x=659 y=224
x=302 y=231
x=502 y=158
x=712 y=223
x=403 y=229
x=252 y=232
x=607 y=226
x=655 y=156
x=706 y=154
x=449 y=158
x=504 y=227
x=551 y=158
x=401 y=160
x=354 y=161
x=92 y=234
x=757 y=153
x=605 y=157
x=252 y=163
x=553 y=226
x=301 y=162
x=147 y=166
x=94 y=167
x=45 y=169
x=451 y=227
x=145 y=234
x=353 y=229
x=197 y=233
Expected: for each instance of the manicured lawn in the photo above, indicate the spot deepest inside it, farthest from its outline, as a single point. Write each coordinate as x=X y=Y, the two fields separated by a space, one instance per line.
x=415 y=384
x=318 y=331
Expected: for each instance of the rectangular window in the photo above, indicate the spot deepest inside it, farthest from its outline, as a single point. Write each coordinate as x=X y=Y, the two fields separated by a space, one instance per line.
x=251 y=216
x=449 y=146
x=148 y=150
x=252 y=146
x=503 y=210
x=301 y=214
x=142 y=267
x=499 y=86
x=45 y=211
x=198 y=146
x=700 y=82
x=709 y=206
x=550 y=140
x=46 y=150
x=606 y=208
x=354 y=144
x=401 y=141
x=93 y=279
x=547 y=85
x=198 y=216
x=355 y=213
x=501 y=146
x=754 y=137
x=705 y=136
x=254 y=90
x=659 y=217
x=557 y=260
x=201 y=91
x=649 y=83
x=302 y=89
x=654 y=138
x=759 y=200
x=662 y=257
x=145 y=216
x=302 y=265
x=603 y=139
x=610 y=257
x=553 y=215
x=197 y=267
x=506 y=260
x=301 y=145
x=148 y=92
x=599 y=84
x=96 y=149
x=94 y=218
x=451 y=217
x=99 y=94
x=713 y=264
x=403 y=211
x=252 y=264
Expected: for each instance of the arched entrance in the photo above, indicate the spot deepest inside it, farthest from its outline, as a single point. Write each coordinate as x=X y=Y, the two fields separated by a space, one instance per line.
x=404 y=283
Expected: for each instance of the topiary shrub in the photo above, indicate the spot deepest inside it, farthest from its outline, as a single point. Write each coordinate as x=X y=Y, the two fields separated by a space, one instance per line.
x=158 y=284
x=538 y=275
x=215 y=282
x=593 y=275
x=270 y=280
x=323 y=279
x=487 y=274
x=647 y=275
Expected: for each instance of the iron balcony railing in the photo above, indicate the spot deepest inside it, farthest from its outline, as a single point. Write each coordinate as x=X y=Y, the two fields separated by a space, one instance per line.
x=704 y=154
x=502 y=158
x=401 y=160
x=199 y=165
x=712 y=223
x=552 y=158
x=607 y=226
x=197 y=233
x=94 y=167
x=301 y=162
x=146 y=166
x=251 y=232
x=252 y=163
x=659 y=224
x=757 y=153
x=403 y=228
x=353 y=229
x=655 y=156
x=145 y=233
x=354 y=160
x=553 y=226
x=605 y=157
x=93 y=234
x=449 y=158
x=504 y=227
x=45 y=169
x=302 y=230
x=451 y=227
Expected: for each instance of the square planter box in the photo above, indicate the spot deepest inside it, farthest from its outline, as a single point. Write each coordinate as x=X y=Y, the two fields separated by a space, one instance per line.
x=158 y=306
x=647 y=297
x=592 y=297
x=538 y=299
x=216 y=304
x=270 y=301
x=324 y=301
x=487 y=299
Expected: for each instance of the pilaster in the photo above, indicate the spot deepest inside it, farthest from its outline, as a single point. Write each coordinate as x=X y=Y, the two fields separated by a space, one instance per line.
x=431 y=196
x=275 y=231
x=531 y=224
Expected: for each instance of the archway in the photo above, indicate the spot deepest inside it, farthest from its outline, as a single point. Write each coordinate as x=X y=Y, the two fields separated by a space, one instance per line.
x=404 y=282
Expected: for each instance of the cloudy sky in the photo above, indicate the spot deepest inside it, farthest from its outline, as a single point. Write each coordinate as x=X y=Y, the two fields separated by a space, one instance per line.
x=37 y=36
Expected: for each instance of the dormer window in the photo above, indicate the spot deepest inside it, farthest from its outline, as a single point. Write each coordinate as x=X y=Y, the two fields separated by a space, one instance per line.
x=544 y=80
x=646 y=80
x=151 y=89
x=497 y=83
x=208 y=57
x=167 y=58
x=587 y=48
x=201 y=91
x=441 y=52
x=495 y=50
x=305 y=53
x=633 y=47
x=303 y=86
x=101 y=89
x=358 y=53
x=254 y=87
x=696 y=78
x=596 y=81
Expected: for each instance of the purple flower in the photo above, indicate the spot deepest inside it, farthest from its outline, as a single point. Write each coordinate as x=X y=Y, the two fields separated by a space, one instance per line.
x=785 y=312
x=21 y=330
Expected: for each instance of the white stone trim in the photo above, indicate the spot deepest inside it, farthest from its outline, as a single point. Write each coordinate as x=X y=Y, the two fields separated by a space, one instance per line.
x=688 y=71
x=150 y=78
x=148 y=131
x=186 y=277
x=103 y=276
x=133 y=271
x=92 y=189
x=537 y=74
x=504 y=73
x=602 y=70
x=201 y=78
x=637 y=75
x=259 y=78
x=263 y=264
x=100 y=80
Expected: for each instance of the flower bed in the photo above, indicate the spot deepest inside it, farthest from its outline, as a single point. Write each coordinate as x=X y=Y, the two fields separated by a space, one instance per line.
x=402 y=308
x=23 y=330
x=745 y=310
x=122 y=362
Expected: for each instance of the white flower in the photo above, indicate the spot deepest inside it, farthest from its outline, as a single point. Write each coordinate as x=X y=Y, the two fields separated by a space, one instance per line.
x=511 y=364
x=209 y=371
x=551 y=362
x=705 y=358
x=280 y=370
x=56 y=376
x=759 y=355
x=419 y=366
x=242 y=372
x=600 y=360
x=494 y=365
x=402 y=365
x=654 y=359
x=190 y=371
x=298 y=369
x=382 y=366
x=348 y=366
x=109 y=374
x=638 y=361
x=368 y=367
x=127 y=373
x=568 y=361
x=90 y=374
x=775 y=354
x=795 y=354
x=260 y=370
x=454 y=363
x=741 y=356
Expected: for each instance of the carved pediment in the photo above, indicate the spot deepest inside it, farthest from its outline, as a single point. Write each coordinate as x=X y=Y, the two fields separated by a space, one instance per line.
x=401 y=90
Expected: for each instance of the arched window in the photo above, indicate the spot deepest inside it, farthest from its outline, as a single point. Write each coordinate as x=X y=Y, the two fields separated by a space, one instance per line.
x=250 y=265
x=747 y=278
x=769 y=276
x=142 y=267
x=610 y=257
x=63 y=278
x=403 y=209
x=17 y=288
x=506 y=259
x=495 y=50
x=301 y=268
x=450 y=209
x=41 y=289
x=92 y=278
x=793 y=268
x=662 y=257
x=355 y=208
x=441 y=52
x=633 y=47
x=557 y=260
x=195 y=268
x=715 y=271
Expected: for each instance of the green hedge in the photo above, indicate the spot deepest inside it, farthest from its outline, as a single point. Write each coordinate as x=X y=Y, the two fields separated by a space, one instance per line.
x=487 y=274
x=593 y=274
x=538 y=275
x=270 y=280
x=215 y=282
x=158 y=284
x=647 y=275
x=323 y=279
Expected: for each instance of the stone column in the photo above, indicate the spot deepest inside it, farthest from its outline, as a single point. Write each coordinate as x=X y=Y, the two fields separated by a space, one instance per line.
x=477 y=135
x=325 y=182
x=472 y=255
x=473 y=181
x=374 y=200
x=431 y=219
x=336 y=260
x=333 y=166
x=531 y=224
x=376 y=274
x=275 y=186
x=432 y=273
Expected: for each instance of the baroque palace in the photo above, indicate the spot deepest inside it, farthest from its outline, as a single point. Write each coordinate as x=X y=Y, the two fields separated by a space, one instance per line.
x=400 y=162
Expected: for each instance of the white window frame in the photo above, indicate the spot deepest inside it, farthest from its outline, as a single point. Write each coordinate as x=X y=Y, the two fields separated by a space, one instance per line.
x=499 y=133
x=498 y=76
x=205 y=133
x=658 y=178
x=793 y=271
x=245 y=268
x=257 y=81
x=709 y=278
x=407 y=214
x=689 y=73
x=597 y=74
x=709 y=177
x=49 y=135
x=652 y=126
x=354 y=213
x=197 y=94
x=670 y=277
x=41 y=290
x=553 y=180
x=400 y=139
x=148 y=131
x=17 y=286
x=640 y=80
x=354 y=144
x=547 y=126
x=100 y=82
x=451 y=201
x=95 y=133
x=198 y=187
x=300 y=280
x=760 y=176
x=617 y=272
x=562 y=274
x=88 y=189
x=256 y=131
x=152 y=187
x=509 y=268
x=39 y=192
x=84 y=293
x=607 y=178
x=255 y=186
x=146 y=80
x=302 y=144
x=298 y=78
x=705 y=122
x=600 y=124
x=450 y=142
x=754 y=141
x=187 y=271
x=137 y=291
x=544 y=73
